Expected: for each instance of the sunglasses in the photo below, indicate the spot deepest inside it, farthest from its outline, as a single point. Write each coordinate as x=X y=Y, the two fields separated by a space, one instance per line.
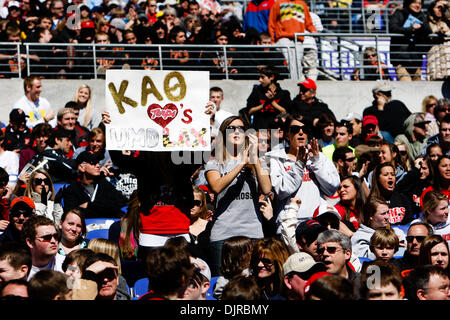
x=421 y=125
x=92 y=162
x=330 y=250
x=296 y=129
x=38 y=181
x=25 y=213
x=350 y=159
x=49 y=237
x=266 y=262
x=431 y=105
x=418 y=238
x=241 y=129
x=370 y=127
x=108 y=273
x=373 y=55
x=197 y=203
x=443 y=109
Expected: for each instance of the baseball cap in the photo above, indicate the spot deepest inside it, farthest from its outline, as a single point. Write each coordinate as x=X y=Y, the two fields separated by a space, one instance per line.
x=325 y=209
x=23 y=205
x=313 y=278
x=383 y=86
x=309 y=229
x=303 y=263
x=14 y=4
x=118 y=23
x=88 y=24
x=308 y=84
x=17 y=116
x=87 y=156
x=370 y=119
x=351 y=115
x=420 y=118
x=203 y=268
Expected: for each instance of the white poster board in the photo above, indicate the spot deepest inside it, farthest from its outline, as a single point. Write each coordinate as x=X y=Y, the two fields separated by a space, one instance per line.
x=157 y=110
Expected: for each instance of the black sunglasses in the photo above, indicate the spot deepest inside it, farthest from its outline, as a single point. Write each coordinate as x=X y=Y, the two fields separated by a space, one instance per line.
x=294 y=129
x=197 y=203
x=350 y=159
x=108 y=273
x=49 y=237
x=266 y=262
x=330 y=250
x=241 y=129
x=38 y=181
x=25 y=213
x=418 y=238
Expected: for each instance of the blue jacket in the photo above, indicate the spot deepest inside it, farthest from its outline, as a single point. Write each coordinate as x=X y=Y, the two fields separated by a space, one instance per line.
x=257 y=15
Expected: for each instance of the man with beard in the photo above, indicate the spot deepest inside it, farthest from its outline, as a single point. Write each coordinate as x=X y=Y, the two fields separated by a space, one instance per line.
x=21 y=209
x=92 y=191
x=414 y=136
x=41 y=236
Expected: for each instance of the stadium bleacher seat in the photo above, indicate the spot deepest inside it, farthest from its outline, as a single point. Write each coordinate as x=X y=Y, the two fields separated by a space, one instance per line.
x=209 y=293
x=140 y=287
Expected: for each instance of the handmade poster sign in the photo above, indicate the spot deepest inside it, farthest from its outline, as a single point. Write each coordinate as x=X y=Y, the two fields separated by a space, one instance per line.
x=157 y=110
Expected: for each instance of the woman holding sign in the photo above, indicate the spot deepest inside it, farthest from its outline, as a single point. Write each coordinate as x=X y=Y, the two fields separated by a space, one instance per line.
x=237 y=177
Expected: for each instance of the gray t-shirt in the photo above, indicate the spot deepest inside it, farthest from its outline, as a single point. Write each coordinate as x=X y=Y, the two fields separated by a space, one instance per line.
x=237 y=212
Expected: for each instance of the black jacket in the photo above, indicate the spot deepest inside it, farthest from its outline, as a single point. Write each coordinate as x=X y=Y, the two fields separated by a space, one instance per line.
x=106 y=203
x=309 y=111
x=60 y=168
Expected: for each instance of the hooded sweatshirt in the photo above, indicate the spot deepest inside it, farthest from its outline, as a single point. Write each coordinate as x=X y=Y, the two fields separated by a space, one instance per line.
x=414 y=148
x=361 y=241
x=310 y=182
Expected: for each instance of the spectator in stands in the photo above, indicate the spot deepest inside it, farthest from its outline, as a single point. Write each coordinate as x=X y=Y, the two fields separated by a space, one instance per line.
x=236 y=163
x=199 y=283
x=427 y=283
x=67 y=120
x=414 y=136
x=310 y=60
x=242 y=288
x=345 y=161
x=41 y=237
x=429 y=105
x=34 y=106
x=97 y=146
x=443 y=137
x=325 y=129
x=372 y=68
x=434 y=251
x=417 y=179
x=17 y=134
x=434 y=151
x=21 y=209
x=401 y=208
x=257 y=15
x=388 y=288
x=40 y=136
x=218 y=115
x=329 y=287
x=384 y=243
x=403 y=152
x=72 y=228
x=40 y=189
x=297 y=269
x=390 y=113
x=92 y=191
x=335 y=250
x=168 y=271
x=49 y=285
x=268 y=258
x=88 y=117
x=351 y=200
x=376 y=215
x=60 y=167
x=343 y=135
x=307 y=104
x=74 y=261
x=435 y=213
x=282 y=26
x=417 y=232
x=15 y=262
x=235 y=261
x=267 y=99
x=9 y=161
x=441 y=178
x=356 y=122
x=301 y=171
x=14 y=289
x=406 y=51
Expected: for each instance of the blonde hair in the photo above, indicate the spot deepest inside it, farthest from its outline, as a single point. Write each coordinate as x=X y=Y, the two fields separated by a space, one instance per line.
x=29 y=189
x=87 y=116
x=426 y=101
x=384 y=237
x=100 y=245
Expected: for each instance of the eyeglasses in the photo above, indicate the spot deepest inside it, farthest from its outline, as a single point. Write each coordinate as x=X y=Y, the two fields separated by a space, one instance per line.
x=431 y=105
x=197 y=203
x=108 y=273
x=241 y=129
x=418 y=238
x=25 y=213
x=421 y=125
x=296 y=129
x=350 y=159
x=304 y=90
x=372 y=55
x=266 y=262
x=38 y=181
x=370 y=127
x=49 y=237
x=330 y=250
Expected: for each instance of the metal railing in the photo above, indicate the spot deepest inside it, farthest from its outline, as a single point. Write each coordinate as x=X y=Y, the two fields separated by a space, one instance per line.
x=339 y=57
x=90 y=61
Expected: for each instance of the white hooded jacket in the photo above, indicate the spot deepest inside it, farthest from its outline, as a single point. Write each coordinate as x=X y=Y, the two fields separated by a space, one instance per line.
x=310 y=182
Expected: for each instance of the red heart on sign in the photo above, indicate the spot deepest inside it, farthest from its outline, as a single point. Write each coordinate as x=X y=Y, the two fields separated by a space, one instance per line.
x=162 y=115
